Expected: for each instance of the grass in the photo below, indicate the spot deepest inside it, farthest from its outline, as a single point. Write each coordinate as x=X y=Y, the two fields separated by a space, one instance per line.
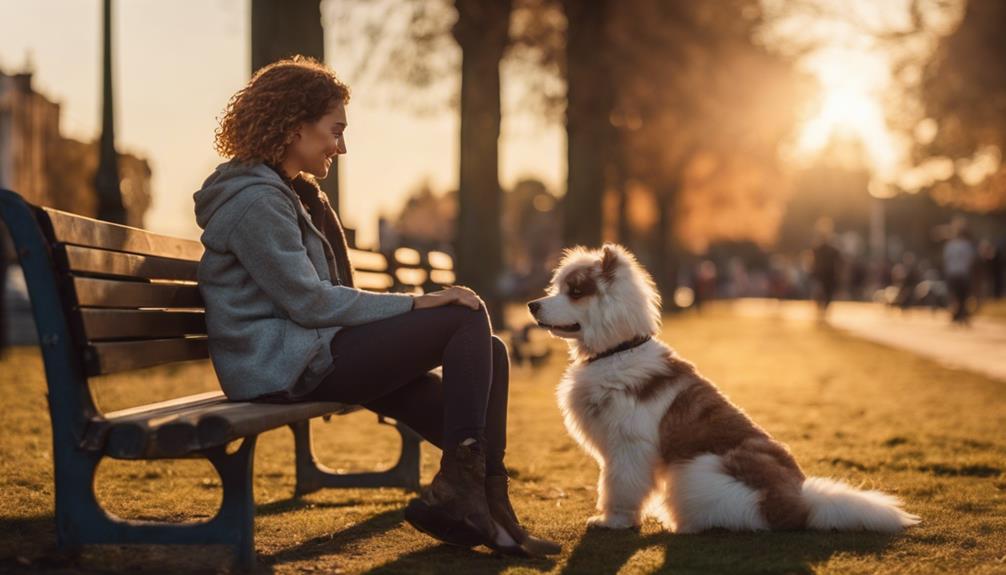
x=994 y=309
x=847 y=408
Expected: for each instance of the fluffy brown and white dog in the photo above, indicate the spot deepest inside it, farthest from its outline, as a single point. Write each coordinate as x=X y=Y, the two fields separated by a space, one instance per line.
x=664 y=435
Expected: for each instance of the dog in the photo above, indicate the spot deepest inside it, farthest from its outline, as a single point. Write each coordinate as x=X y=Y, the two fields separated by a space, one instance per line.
x=668 y=443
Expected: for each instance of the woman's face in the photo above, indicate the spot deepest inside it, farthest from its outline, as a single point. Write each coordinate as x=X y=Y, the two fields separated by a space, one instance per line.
x=316 y=144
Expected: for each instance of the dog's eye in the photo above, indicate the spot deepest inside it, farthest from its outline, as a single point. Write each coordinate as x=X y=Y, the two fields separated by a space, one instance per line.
x=575 y=293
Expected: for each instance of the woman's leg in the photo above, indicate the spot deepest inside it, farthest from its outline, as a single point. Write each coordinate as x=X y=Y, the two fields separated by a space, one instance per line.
x=375 y=360
x=421 y=404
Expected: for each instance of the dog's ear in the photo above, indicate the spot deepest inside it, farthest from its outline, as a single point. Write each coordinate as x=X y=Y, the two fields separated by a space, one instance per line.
x=609 y=262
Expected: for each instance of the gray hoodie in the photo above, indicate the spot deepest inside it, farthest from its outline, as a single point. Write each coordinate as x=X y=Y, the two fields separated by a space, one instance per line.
x=271 y=305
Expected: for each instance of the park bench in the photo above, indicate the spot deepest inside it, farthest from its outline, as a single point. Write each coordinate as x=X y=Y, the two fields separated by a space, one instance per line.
x=108 y=298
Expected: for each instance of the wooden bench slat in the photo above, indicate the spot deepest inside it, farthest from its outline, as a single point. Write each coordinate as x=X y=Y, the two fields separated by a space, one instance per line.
x=94 y=292
x=411 y=276
x=163 y=407
x=373 y=281
x=103 y=324
x=224 y=422
x=442 y=277
x=83 y=231
x=368 y=261
x=187 y=424
x=440 y=260
x=117 y=264
x=112 y=357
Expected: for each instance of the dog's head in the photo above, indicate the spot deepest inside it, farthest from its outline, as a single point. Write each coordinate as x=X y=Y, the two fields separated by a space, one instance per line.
x=599 y=299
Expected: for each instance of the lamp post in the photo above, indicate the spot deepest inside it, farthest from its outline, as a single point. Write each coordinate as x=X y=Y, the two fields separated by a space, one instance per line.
x=106 y=181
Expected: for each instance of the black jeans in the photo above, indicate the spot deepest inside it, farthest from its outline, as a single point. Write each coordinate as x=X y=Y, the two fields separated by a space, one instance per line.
x=385 y=367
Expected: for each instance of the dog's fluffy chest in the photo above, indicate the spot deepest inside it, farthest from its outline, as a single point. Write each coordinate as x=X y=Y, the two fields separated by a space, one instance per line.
x=603 y=401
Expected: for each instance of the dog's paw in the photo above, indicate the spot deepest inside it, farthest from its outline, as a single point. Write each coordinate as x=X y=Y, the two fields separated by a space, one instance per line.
x=603 y=521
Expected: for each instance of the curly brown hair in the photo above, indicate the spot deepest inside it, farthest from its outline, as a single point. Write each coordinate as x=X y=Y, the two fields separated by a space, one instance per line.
x=260 y=120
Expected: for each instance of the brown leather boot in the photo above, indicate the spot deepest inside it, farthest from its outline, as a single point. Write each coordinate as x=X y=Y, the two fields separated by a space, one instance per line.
x=498 y=494
x=453 y=508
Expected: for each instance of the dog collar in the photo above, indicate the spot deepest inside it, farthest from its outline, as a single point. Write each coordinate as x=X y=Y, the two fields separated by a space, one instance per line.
x=624 y=346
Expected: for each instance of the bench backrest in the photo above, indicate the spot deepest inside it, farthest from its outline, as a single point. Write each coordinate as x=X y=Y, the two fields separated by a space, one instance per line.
x=133 y=297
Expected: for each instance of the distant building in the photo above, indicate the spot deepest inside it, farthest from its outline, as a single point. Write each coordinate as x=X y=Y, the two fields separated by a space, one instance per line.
x=49 y=169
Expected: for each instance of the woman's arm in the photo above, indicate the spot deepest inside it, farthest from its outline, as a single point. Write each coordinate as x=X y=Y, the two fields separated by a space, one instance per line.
x=267 y=241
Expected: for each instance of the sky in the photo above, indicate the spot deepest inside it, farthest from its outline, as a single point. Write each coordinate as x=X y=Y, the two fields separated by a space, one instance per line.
x=177 y=64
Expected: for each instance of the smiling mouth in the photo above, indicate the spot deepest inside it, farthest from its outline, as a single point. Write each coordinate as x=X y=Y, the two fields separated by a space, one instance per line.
x=570 y=327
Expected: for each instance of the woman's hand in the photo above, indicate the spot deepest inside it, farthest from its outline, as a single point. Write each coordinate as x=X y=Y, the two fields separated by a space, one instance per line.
x=453 y=295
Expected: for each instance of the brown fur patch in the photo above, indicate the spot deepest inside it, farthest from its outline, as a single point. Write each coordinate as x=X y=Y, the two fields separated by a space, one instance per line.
x=677 y=369
x=701 y=420
x=768 y=467
x=582 y=282
x=609 y=264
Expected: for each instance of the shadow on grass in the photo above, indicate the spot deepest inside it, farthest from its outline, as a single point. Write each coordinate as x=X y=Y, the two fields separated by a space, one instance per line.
x=285 y=505
x=25 y=540
x=28 y=544
x=601 y=551
x=437 y=559
x=335 y=542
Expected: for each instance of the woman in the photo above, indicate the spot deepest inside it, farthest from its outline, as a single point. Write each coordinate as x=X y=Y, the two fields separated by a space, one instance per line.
x=286 y=324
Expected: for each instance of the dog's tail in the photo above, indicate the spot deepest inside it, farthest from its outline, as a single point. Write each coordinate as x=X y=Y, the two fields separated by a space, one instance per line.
x=837 y=505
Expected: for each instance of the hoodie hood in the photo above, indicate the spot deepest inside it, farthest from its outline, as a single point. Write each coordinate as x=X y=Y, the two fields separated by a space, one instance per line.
x=217 y=203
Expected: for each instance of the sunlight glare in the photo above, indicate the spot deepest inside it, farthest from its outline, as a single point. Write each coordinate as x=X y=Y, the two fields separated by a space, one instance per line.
x=849 y=108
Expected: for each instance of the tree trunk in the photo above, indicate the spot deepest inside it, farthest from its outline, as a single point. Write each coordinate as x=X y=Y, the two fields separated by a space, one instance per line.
x=590 y=99
x=482 y=32
x=284 y=28
x=664 y=272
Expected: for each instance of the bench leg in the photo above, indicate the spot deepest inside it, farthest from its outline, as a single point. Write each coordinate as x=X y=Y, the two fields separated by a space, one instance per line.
x=312 y=475
x=236 y=517
x=80 y=520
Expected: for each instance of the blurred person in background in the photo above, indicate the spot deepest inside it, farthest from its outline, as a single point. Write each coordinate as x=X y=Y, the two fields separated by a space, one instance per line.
x=704 y=282
x=907 y=276
x=959 y=257
x=825 y=267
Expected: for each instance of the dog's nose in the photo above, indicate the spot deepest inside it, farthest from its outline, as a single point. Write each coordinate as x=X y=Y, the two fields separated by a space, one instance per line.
x=534 y=307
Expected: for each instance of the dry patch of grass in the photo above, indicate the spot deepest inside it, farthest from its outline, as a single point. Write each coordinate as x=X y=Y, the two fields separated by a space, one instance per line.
x=847 y=408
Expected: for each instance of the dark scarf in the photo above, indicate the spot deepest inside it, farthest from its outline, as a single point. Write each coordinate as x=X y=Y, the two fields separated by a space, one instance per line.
x=327 y=221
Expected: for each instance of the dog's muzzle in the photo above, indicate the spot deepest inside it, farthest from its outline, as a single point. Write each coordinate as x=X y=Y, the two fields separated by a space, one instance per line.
x=534 y=307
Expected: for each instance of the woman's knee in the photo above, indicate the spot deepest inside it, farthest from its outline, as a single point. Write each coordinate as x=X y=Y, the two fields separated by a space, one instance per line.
x=475 y=319
x=500 y=351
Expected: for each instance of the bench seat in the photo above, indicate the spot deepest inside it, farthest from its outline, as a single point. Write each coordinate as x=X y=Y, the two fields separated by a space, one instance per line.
x=186 y=425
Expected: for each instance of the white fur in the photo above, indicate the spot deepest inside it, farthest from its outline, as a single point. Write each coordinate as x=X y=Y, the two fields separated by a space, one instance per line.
x=702 y=496
x=602 y=411
x=837 y=505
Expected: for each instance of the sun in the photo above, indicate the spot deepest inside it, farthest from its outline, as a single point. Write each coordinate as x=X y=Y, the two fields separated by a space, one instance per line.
x=849 y=107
